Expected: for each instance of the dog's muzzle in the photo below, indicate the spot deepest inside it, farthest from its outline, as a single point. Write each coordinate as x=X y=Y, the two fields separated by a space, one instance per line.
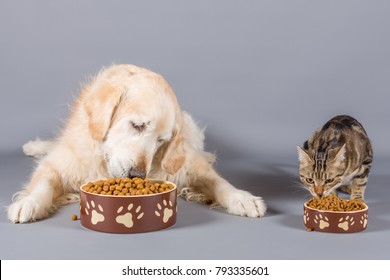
x=136 y=172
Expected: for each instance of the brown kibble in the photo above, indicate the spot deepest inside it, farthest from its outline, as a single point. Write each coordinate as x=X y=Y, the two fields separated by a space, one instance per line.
x=74 y=217
x=334 y=203
x=145 y=191
x=126 y=186
x=111 y=181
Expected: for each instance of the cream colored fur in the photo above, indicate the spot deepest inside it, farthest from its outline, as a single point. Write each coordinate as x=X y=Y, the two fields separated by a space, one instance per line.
x=126 y=122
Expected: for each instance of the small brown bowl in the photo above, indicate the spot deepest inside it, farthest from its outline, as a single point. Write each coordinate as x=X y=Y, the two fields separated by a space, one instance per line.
x=128 y=214
x=336 y=222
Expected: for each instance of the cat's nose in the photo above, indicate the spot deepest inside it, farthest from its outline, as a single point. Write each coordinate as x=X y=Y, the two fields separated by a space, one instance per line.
x=319 y=190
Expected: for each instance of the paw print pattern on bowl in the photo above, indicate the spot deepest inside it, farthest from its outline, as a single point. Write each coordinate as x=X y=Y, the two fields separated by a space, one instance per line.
x=322 y=221
x=167 y=210
x=345 y=223
x=127 y=218
x=96 y=217
x=306 y=216
x=364 y=220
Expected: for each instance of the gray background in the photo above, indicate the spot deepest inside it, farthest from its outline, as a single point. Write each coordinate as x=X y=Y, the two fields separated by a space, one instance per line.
x=261 y=75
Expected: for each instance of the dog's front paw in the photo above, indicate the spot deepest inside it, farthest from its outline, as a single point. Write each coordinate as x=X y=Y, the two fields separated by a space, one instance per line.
x=26 y=209
x=243 y=203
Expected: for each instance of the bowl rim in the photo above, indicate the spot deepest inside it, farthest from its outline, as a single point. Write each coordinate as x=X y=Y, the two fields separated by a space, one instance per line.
x=336 y=212
x=131 y=196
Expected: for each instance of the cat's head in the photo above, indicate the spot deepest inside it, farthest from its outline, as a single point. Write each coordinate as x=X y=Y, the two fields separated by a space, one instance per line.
x=322 y=172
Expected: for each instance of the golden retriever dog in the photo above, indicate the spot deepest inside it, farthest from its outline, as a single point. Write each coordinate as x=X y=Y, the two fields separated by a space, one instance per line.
x=126 y=122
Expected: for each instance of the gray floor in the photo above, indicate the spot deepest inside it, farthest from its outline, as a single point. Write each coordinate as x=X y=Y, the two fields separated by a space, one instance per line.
x=202 y=233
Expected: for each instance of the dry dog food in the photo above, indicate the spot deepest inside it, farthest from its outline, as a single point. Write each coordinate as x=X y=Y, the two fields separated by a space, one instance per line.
x=334 y=203
x=126 y=187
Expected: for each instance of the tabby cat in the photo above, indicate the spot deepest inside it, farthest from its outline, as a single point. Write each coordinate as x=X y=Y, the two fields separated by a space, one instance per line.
x=339 y=155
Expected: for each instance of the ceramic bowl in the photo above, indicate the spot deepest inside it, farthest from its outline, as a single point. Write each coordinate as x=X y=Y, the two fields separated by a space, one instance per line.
x=128 y=214
x=336 y=222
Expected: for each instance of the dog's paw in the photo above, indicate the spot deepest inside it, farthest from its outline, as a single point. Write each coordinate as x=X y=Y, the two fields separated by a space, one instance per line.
x=243 y=203
x=27 y=209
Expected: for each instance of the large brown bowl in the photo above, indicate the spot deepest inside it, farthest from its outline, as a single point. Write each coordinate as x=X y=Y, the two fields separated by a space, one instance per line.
x=128 y=214
x=336 y=222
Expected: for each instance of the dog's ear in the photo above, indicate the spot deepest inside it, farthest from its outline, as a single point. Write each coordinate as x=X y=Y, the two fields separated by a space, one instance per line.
x=174 y=155
x=100 y=105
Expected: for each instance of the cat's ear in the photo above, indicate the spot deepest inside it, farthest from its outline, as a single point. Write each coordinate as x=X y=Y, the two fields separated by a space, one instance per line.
x=340 y=156
x=304 y=157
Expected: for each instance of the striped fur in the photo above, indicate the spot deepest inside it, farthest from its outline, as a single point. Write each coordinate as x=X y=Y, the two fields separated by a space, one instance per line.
x=339 y=155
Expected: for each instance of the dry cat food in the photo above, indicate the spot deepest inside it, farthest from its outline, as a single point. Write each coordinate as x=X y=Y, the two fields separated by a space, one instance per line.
x=126 y=187
x=334 y=203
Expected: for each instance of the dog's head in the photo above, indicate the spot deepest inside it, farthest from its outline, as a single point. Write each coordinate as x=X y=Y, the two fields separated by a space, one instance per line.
x=137 y=121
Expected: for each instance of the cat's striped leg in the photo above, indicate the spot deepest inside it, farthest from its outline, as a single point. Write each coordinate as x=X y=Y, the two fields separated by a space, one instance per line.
x=358 y=187
x=358 y=184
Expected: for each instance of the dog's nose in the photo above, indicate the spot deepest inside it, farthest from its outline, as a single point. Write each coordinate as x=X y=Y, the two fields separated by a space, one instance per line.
x=136 y=172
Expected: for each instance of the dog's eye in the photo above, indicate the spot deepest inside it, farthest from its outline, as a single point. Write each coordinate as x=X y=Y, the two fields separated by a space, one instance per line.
x=160 y=140
x=139 y=127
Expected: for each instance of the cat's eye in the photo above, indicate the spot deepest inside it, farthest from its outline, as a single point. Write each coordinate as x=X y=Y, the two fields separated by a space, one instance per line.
x=329 y=181
x=309 y=180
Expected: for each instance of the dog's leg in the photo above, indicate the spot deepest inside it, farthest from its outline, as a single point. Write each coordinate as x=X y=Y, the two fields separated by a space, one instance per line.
x=37 y=200
x=205 y=181
x=37 y=148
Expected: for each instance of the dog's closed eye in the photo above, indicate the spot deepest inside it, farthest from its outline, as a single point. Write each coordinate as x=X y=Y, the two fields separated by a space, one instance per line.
x=139 y=127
